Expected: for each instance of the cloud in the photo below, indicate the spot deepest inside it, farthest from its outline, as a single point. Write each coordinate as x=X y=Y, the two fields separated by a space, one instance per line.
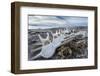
x=56 y=21
x=81 y=21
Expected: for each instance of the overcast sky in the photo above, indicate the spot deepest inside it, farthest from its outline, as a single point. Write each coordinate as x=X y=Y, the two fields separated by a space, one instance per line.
x=43 y=22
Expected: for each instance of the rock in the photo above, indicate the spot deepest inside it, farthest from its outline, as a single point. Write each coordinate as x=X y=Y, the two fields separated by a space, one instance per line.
x=64 y=52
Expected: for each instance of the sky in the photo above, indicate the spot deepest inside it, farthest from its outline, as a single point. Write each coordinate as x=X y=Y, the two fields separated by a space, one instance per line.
x=43 y=21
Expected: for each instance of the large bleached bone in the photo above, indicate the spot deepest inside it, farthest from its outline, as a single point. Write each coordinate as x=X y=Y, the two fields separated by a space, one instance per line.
x=48 y=50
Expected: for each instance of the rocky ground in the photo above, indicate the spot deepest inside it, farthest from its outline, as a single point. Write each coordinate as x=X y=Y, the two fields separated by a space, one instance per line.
x=74 y=49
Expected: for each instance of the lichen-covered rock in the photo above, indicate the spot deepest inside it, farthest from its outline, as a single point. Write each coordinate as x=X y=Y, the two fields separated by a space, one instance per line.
x=73 y=49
